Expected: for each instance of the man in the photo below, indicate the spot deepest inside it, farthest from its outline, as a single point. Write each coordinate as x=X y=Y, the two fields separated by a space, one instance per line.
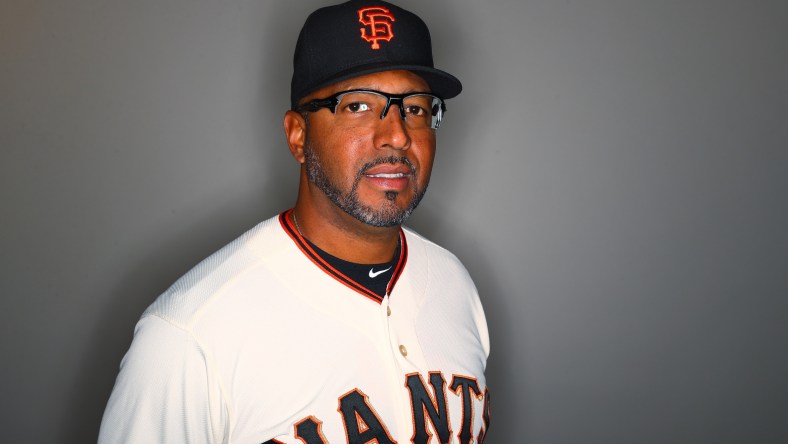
x=329 y=323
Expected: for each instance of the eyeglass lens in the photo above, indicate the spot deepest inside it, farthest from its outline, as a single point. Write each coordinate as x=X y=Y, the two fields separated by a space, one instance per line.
x=356 y=108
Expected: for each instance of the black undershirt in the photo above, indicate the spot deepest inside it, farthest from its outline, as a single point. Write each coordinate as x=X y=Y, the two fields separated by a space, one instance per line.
x=360 y=273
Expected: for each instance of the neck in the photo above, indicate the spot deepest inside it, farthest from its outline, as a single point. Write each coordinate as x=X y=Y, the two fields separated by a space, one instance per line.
x=345 y=237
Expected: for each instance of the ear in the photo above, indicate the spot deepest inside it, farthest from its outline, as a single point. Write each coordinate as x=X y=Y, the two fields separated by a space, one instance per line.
x=295 y=132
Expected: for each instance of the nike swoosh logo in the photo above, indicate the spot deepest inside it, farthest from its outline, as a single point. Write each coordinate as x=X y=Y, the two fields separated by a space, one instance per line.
x=374 y=274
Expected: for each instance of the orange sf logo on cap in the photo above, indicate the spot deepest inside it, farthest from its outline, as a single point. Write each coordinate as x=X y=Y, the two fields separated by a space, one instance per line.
x=377 y=21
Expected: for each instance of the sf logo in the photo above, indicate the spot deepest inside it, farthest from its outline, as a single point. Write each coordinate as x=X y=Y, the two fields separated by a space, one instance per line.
x=377 y=21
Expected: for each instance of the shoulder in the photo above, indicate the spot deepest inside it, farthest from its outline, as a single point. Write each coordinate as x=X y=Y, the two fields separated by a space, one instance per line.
x=232 y=265
x=443 y=288
x=435 y=268
x=421 y=248
x=430 y=247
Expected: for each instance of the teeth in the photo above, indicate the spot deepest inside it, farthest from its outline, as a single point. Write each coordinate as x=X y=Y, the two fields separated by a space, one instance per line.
x=388 y=176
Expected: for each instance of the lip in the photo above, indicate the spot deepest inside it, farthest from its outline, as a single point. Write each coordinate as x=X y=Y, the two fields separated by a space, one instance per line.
x=389 y=177
x=389 y=169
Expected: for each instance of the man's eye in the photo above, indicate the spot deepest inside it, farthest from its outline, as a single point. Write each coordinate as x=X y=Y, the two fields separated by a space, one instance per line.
x=414 y=110
x=357 y=107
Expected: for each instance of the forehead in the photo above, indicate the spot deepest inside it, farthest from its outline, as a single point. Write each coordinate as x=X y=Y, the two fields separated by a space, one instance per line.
x=393 y=82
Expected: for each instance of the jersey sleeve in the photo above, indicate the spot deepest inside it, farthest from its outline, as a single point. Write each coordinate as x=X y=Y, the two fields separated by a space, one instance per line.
x=165 y=391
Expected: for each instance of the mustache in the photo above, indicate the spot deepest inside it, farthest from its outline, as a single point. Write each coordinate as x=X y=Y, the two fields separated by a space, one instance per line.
x=393 y=160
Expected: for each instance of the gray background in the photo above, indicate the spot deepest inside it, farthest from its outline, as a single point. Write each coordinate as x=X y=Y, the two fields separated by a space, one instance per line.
x=614 y=177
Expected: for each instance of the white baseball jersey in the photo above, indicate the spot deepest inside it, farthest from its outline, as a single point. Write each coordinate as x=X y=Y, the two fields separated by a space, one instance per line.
x=265 y=342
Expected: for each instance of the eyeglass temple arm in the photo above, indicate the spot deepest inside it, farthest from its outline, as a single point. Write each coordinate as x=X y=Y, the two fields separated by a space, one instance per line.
x=315 y=105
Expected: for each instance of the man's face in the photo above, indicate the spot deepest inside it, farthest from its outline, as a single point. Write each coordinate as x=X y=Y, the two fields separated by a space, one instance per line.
x=376 y=174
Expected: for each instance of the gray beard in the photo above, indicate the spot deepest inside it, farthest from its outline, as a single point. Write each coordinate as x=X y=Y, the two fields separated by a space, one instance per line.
x=387 y=216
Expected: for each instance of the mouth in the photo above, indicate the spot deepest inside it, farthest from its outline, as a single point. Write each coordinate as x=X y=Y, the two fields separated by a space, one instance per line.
x=389 y=167
x=386 y=182
x=389 y=174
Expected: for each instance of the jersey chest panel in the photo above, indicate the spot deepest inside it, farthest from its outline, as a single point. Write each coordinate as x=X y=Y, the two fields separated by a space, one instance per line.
x=306 y=352
x=270 y=348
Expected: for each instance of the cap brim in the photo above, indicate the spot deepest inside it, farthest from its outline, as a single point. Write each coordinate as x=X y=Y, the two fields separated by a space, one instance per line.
x=441 y=83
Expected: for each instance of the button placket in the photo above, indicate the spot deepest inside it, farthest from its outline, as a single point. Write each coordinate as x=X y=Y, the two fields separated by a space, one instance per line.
x=398 y=366
x=394 y=339
x=403 y=339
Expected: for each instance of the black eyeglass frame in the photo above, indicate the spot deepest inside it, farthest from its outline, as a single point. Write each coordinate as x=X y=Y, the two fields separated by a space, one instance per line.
x=331 y=102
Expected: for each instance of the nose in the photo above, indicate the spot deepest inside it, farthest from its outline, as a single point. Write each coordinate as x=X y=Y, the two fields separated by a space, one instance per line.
x=391 y=131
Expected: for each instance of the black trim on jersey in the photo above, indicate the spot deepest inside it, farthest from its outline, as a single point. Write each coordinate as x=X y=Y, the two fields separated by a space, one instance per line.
x=315 y=257
x=400 y=267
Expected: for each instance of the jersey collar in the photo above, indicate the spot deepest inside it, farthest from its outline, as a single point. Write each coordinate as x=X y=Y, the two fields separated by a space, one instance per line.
x=309 y=252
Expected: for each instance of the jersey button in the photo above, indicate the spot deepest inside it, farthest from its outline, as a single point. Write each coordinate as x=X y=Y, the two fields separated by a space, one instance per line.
x=388 y=311
x=403 y=350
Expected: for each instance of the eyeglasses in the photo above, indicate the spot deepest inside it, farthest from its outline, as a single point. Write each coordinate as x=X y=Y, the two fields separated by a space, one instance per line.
x=366 y=107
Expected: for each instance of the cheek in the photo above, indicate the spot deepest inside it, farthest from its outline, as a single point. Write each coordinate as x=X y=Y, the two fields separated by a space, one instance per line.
x=342 y=154
x=423 y=149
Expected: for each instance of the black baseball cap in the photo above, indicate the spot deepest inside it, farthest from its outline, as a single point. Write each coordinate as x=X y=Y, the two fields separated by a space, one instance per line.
x=362 y=37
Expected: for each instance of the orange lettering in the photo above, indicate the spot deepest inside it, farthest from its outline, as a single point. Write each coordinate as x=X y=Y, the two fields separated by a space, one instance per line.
x=377 y=21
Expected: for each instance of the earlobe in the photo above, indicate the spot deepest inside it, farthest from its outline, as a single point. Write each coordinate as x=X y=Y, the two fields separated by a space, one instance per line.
x=295 y=132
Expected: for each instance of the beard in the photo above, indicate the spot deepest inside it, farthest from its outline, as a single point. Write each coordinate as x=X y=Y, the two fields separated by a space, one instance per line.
x=387 y=214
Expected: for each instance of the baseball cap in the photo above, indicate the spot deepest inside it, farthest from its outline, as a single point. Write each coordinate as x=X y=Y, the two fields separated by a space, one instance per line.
x=362 y=37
